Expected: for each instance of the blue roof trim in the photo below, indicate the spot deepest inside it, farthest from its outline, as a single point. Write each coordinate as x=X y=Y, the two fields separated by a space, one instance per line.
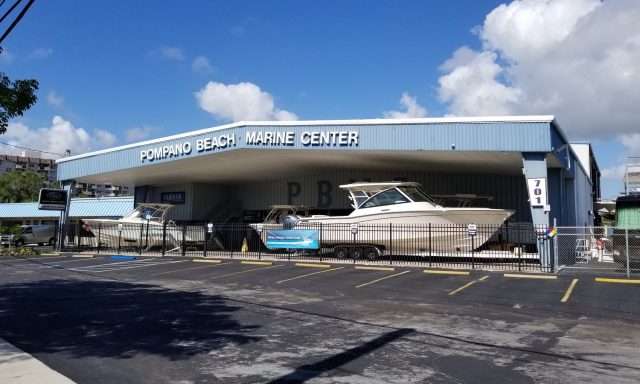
x=99 y=208
x=514 y=136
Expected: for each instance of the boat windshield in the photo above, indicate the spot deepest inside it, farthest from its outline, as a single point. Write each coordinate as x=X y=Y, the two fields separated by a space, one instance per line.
x=388 y=197
x=417 y=194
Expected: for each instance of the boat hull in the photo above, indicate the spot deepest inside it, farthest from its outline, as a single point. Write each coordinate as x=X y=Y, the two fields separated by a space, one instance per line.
x=443 y=230
x=137 y=235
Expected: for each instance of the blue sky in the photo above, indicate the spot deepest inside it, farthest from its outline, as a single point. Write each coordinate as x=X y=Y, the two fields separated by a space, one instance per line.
x=117 y=72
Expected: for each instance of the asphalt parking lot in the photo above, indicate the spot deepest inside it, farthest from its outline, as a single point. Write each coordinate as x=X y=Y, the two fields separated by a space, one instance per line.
x=180 y=320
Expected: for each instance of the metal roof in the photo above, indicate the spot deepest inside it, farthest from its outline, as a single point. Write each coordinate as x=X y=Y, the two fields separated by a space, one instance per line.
x=238 y=152
x=103 y=207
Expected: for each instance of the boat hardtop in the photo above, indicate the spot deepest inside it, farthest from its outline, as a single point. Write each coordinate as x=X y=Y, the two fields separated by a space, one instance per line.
x=368 y=194
x=280 y=211
x=157 y=212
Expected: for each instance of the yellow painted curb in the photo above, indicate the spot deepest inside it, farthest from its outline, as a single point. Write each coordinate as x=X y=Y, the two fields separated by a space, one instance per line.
x=85 y=256
x=206 y=261
x=466 y=273
x=375 y=268
x=313 y=265
x=257 y=262
x=519 y=276
x=623 y=281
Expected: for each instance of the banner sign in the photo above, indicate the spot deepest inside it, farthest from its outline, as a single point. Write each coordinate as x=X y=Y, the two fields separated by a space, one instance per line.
x=52 y=199
x=173 y=197
x=292 y=239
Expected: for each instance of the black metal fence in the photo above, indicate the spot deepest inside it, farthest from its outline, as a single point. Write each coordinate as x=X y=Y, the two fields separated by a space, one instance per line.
x=510 y=246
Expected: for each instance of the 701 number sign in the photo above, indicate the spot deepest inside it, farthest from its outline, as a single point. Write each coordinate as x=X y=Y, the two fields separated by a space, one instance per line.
x=537 y=191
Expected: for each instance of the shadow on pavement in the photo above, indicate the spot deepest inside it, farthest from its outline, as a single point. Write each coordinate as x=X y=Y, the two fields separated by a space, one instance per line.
x=309 y=371
x=116 y=319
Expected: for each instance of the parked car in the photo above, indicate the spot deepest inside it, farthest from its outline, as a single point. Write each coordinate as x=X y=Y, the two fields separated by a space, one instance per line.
x=31 y=234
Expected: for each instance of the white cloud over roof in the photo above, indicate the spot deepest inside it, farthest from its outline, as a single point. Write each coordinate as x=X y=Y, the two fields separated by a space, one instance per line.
x=57 y=138
x=411 y=109
x=576 y=59
x=242 y=101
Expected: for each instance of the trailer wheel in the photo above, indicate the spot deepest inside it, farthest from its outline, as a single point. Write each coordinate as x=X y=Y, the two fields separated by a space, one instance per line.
x=341 y=252
x=371 y=253
x=356 y=253
x=52 y=241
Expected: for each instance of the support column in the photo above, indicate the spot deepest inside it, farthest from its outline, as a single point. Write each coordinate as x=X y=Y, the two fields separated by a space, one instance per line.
x=537 y=181
x=64 y=215
x=535 y=167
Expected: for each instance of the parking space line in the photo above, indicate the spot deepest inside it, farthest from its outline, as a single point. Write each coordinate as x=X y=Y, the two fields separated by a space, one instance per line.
x=248 y=270
x=569 y=290
x=206 y=261
x=368 y=268
x=439 y=272
x=110 y=267
x=256 y=262
x=467 y=285
x=382 y=278
x=525 y=276
x=623 y=281
x=84 y=256
x=309 y=274
x=313 y=265
x=188 y=269
x=34 y=263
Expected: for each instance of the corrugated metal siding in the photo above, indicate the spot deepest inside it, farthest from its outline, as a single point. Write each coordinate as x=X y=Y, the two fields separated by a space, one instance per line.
x=506 y=191
x=106 y=207
x=179 y=211
x=583 y=200
x=497 y=136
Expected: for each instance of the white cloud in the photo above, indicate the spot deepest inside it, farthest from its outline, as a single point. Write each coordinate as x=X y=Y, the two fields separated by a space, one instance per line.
x=138 y=133
x=57 y=138
x=170 y=53
x=573 y=59
x=202 y=65
x=244 y=26
x=55 y=99
x=632 y=143
x=473 y=85
x=411 y=109
x=237 y=102
x=6 y=56
x=40 y=53
x=615 y=173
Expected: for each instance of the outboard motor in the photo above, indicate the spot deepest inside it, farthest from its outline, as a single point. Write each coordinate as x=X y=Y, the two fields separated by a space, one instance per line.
x=290 y=221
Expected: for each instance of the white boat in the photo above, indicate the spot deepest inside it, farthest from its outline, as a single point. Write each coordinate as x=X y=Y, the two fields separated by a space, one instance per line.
x=144 y=226
x=401 y=217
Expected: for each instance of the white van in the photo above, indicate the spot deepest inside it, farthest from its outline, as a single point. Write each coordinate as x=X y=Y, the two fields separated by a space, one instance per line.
x=31 y=234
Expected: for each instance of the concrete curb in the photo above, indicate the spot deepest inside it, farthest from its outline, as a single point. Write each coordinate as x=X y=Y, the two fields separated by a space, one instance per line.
x=18 y=367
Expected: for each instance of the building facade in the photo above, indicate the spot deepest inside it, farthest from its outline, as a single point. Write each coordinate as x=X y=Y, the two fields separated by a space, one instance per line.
x=239 y=170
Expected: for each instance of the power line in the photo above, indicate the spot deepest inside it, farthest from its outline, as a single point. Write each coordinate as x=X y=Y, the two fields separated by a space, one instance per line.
x=18 y=18
x=35 y=150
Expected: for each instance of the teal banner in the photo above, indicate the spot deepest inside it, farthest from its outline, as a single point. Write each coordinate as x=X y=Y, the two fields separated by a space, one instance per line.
x=292 y=239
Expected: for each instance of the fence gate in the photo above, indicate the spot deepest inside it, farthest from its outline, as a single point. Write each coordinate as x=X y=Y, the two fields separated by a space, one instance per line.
x=597 y=250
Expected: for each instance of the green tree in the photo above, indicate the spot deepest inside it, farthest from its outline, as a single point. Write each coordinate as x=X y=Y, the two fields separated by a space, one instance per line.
x=20 y=187
x=15 y=98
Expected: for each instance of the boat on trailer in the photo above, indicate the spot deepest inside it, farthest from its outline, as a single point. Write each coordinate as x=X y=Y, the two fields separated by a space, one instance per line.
x=144 y=226
x=415 y=220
